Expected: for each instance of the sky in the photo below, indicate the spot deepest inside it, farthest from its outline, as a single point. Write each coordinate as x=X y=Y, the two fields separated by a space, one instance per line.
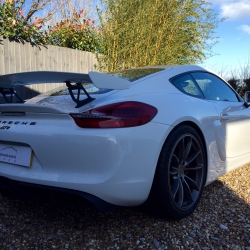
x=233 y=48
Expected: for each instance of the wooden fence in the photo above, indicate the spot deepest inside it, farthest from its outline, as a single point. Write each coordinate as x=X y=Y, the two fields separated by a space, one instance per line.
x=18 y=57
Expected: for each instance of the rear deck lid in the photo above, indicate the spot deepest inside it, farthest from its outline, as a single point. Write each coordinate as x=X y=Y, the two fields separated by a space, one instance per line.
x=100 y=80
x=75 y=82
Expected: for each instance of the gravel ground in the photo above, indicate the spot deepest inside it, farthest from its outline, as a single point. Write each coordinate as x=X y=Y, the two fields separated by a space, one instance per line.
x=221 y=221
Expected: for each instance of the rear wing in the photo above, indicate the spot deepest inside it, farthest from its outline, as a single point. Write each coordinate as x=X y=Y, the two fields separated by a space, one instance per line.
x=100 y=80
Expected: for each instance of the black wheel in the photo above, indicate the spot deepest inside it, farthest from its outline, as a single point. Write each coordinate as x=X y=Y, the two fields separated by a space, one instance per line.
x=180 y=175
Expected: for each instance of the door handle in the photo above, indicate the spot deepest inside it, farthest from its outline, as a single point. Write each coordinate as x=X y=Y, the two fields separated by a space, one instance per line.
x=224 y=117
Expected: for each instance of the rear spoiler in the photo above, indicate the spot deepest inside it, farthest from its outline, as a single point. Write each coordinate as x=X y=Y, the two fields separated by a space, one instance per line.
x=100 y=80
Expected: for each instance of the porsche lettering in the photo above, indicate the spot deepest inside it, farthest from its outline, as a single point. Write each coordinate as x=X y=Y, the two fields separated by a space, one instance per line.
x=17 y=123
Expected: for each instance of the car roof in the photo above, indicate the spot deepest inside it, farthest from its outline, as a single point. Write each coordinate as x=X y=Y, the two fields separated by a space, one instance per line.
x=184 y=67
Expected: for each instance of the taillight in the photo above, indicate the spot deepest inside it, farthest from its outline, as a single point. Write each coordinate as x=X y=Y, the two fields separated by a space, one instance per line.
x=118 y=115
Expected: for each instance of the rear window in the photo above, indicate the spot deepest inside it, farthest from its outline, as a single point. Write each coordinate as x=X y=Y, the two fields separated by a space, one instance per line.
x=60 y=95
x=90 y=88
x=135 y=74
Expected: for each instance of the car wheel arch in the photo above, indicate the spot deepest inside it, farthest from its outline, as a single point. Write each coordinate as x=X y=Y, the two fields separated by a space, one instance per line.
x=151 y=203
x=199 y=131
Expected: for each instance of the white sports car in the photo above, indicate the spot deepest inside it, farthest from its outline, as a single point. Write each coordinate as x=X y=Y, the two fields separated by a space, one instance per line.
x=153 y=136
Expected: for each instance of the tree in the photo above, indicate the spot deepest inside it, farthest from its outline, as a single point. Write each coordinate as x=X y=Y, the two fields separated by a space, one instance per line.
x=75 y=32
x=68 y=8
x=34 y=6
x=13 y=24
x=156 y=32
x=75 y=25
x=17 y=20
x=239 y=78
x=27 y=21
x=234 y=83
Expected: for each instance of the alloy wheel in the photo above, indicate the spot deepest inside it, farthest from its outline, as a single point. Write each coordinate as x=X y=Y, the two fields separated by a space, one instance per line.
x=186 y=171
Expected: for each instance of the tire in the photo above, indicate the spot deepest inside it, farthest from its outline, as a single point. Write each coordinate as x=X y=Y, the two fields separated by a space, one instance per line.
x=180 y=175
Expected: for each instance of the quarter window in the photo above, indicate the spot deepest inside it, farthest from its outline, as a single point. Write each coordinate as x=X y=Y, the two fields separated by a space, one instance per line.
x=186 y=84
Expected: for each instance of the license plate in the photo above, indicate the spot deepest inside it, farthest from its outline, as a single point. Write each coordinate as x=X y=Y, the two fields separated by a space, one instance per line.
x=19 y=155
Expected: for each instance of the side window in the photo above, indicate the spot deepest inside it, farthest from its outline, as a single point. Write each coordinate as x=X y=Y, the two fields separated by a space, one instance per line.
x=214 y=88
x=186 y=84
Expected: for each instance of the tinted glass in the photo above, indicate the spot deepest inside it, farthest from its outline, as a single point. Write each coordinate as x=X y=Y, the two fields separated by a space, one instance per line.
x=186 y=84
x=214 y=88
x=135 y=74
x=89 y=87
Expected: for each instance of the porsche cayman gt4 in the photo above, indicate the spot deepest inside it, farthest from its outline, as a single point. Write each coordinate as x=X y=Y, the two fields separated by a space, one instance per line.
x=152 y=136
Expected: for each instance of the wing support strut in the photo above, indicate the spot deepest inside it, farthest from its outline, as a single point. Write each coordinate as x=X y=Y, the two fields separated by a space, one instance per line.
x=77 y=100
x=12 y=93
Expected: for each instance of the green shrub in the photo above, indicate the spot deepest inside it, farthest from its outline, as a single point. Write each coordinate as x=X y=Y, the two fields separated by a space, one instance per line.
x=14 y=26
x=76 y=33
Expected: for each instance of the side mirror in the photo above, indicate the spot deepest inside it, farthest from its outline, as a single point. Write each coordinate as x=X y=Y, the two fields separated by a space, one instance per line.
x=247 y=96
x=246 y=99
x=246 y=104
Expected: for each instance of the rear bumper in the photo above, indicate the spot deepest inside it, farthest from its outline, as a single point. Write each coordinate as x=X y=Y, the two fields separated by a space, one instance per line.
x=57 y=195
x=115 y=165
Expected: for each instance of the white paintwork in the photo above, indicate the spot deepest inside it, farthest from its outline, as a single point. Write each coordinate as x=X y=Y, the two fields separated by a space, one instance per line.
x=230 y=130
x=100 y=80
x=38 y=77
x=108 y=81
x=118 y=165
x=103 y=162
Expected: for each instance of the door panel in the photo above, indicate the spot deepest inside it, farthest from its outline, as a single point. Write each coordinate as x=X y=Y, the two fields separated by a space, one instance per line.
x=231 y=131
